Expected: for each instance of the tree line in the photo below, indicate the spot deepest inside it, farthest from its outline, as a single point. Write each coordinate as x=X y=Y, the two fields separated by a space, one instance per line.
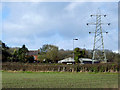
x=48 y=54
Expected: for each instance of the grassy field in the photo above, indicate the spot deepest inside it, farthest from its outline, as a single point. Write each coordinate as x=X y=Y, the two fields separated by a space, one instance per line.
x=59 y=80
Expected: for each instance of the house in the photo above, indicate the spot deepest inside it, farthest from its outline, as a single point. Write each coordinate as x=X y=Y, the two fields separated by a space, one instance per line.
x=33 y=53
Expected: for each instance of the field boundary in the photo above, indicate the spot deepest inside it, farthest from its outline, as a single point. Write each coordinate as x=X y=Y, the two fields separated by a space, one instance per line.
x=61 y=68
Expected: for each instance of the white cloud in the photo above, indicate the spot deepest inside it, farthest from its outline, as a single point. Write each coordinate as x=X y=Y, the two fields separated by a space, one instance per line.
x=72 y=6
x=36 y=24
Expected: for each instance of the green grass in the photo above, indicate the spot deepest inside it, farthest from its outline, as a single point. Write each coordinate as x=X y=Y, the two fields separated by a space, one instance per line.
x=59 y=80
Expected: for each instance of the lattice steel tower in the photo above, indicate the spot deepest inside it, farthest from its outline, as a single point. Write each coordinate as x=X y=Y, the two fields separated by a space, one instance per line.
x=98 y=48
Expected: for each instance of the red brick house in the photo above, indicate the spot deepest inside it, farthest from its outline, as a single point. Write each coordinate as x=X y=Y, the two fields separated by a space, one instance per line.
x=33 y=53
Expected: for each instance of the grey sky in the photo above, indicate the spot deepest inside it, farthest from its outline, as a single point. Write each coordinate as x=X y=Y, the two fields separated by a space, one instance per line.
x=35 y=24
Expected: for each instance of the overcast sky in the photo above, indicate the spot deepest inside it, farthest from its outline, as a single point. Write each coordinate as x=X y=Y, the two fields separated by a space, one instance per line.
x=37 y=23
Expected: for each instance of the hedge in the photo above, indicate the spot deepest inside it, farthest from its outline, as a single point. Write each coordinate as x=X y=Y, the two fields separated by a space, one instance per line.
x=108 y=67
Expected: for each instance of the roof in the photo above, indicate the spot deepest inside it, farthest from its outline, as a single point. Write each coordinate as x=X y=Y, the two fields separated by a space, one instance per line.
x=66 y=60
x=33 y=52
x=87 y=59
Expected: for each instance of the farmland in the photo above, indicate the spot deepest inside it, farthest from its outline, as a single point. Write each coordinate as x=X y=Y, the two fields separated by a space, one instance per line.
x=27 y=79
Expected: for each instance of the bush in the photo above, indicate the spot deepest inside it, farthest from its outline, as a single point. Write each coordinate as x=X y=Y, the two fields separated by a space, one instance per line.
x=30 y=59
x=60 y=67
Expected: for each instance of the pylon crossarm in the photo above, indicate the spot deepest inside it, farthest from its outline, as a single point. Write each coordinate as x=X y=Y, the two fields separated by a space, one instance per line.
x=105 y=23
x=98 y=15
x=91 y=32
x=94 y=32
x=91 y=23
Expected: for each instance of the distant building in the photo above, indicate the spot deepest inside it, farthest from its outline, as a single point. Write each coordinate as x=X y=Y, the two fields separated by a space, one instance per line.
x=82 y=61
x=33 y=53
x=88 y=61
x=67 y=61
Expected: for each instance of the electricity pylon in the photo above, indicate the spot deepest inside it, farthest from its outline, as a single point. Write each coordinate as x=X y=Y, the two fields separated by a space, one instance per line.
x=98 y=38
